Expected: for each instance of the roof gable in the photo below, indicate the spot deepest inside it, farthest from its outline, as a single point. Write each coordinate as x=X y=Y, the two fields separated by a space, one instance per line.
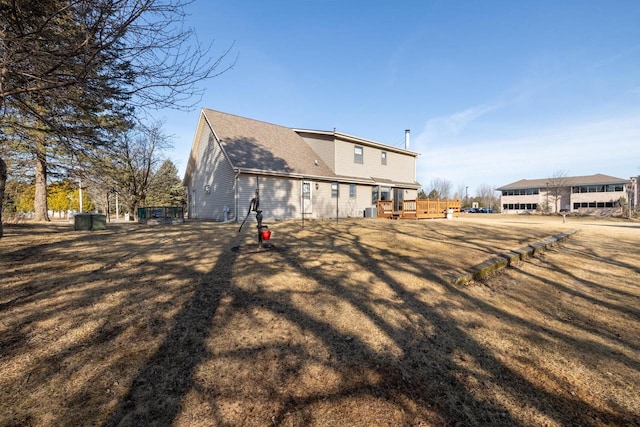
x=254 y=145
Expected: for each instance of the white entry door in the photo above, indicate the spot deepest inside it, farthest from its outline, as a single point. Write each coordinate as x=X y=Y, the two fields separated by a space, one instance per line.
x=307 y=201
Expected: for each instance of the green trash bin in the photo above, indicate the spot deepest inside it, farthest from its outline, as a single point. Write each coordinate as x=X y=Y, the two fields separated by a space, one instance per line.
x=82 y=222
x=98 y=222
x=86 y=222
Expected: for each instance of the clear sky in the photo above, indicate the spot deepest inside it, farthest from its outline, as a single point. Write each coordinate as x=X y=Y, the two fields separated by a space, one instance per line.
x=492 y=91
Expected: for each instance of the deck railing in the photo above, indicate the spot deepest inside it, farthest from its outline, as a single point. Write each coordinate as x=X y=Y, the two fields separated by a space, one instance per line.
x=418 y=209
x=385 y=209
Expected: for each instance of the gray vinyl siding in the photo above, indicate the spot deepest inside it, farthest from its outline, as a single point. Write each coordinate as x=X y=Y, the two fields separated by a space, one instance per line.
x=399 y=167
x=325 y=206
x=215 y=170
x=279 y=197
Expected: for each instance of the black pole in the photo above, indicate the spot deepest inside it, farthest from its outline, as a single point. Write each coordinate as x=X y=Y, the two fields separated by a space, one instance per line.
x=259 y=219
x=337 y=199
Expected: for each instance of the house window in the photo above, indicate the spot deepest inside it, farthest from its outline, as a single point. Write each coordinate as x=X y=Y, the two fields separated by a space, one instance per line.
x=383 y=158
x=352 y=191
x=375 y=194
x=385 y=193
x=357 y=154
x=334 y=189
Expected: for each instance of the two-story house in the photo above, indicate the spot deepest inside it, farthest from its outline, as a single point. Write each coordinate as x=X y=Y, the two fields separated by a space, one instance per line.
x=318 y=174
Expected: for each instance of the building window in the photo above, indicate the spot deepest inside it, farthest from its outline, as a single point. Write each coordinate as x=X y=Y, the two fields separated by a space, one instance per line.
x=523 y=192
x=306 y=190
x=334 y=189
x=352 y=191
x=598 y=188
x=383 y=158
x=385 y=193
x=358 y=154
x=375 y=194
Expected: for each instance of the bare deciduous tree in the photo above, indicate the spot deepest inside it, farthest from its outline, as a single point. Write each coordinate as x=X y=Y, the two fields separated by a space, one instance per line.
x=555 y=184
x=461 y=193
x=487 y=195
x=129 y=168
x=70 y=69
x=442 y=187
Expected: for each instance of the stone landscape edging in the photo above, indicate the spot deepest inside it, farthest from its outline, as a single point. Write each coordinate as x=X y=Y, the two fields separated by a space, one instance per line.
x=506 y=259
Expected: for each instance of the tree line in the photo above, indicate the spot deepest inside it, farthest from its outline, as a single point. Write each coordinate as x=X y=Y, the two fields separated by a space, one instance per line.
x=64 y=197
x=80 y=81
x=442 y=189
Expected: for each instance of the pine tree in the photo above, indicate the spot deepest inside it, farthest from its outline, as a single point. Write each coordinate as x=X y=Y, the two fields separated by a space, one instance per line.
x=166 y=188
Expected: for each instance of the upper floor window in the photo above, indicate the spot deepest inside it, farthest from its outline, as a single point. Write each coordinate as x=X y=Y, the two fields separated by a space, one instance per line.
x=383 y=158
x=358 y=154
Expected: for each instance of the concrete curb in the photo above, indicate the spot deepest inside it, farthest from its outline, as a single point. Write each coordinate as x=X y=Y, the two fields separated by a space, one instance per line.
x=506 y=259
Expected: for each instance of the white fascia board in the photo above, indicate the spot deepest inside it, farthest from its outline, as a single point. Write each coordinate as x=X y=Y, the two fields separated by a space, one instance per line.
x=341 y=179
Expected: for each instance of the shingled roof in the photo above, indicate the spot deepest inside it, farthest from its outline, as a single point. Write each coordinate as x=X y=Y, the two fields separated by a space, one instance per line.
x=597 y=179
x=268 y=148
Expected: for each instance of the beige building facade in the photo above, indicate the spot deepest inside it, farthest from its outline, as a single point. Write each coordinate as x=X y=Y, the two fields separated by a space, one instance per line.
x=592 y=194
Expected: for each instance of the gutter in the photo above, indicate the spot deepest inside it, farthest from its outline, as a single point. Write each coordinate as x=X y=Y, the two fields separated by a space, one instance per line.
x=235 y=196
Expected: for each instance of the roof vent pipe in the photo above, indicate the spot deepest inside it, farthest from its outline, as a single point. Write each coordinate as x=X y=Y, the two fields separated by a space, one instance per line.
x=406 y=138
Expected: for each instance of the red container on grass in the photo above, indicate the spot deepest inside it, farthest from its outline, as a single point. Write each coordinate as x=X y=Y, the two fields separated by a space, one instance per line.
x=266 y=234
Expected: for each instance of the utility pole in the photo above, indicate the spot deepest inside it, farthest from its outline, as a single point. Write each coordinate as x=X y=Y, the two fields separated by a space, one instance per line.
x=80 y=192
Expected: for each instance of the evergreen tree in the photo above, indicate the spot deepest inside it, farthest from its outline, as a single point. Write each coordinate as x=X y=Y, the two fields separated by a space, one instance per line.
x=166 y=187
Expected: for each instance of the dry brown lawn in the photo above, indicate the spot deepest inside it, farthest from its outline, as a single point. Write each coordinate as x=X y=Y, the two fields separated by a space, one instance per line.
x=350 y=323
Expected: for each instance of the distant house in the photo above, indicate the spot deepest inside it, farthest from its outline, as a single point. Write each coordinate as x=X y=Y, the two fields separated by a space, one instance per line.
x=592 y=194
x=317 y=174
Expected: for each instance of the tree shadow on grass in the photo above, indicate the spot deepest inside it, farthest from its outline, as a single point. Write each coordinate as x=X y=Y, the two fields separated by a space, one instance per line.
x=431 y=372
x=155 y=395
x=244 y=343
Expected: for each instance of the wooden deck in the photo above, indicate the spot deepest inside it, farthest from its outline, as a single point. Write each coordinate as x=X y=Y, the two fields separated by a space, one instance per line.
x=419 y=209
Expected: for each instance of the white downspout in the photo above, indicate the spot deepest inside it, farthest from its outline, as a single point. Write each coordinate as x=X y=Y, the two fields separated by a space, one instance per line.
x=237 y=196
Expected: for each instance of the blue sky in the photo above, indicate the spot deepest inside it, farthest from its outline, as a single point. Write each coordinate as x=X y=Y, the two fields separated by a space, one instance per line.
x=493 y=91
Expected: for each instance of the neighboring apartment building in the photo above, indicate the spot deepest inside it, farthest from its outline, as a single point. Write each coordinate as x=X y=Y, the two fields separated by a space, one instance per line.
x=318 y=174
x=592 y=194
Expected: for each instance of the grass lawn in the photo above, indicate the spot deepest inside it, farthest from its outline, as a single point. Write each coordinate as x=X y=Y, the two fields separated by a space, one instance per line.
x=351 y=323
